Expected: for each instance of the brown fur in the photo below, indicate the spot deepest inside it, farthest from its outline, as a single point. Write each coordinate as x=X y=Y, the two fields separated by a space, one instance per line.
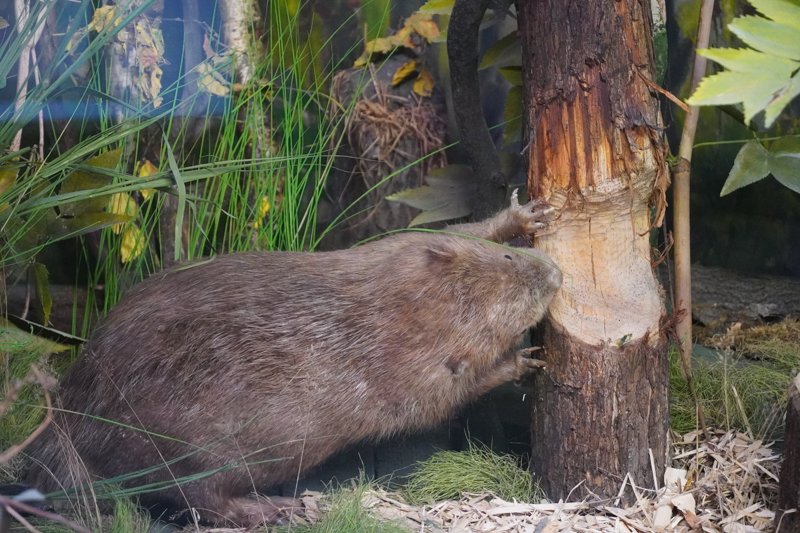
x=265 y=364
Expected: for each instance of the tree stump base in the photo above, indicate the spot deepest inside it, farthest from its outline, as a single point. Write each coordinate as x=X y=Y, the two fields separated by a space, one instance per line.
x=787 y=518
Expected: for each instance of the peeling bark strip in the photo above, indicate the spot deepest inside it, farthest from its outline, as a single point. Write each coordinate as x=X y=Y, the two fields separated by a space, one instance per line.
x=595 y=153
x=590 y=111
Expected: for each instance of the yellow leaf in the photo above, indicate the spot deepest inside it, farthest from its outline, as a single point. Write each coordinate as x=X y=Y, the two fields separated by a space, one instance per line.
x=424 y=83
x=144 y=170
x=121 y=203
x=381 y=45
x=423 y=25
x=361 y=61
x=149 y=83
x=8 y=175
x=263 y=210
x=404 y=71
x=133 y=243
x=104 y=18
x=403 y=37
x=3 y=23
x=263 y=206
x=211 y=81
x=74 y=39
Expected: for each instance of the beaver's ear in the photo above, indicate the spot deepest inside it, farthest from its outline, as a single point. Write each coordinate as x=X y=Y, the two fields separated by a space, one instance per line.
x=440 y=253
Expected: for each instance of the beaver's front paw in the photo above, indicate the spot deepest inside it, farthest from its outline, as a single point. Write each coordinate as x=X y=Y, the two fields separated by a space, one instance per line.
x=531 y=217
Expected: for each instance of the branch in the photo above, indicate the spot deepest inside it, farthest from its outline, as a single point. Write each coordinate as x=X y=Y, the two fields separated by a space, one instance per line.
x=463 y=52
x=680 y=199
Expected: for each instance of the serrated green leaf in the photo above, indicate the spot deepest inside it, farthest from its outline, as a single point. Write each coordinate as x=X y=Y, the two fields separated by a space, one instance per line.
x=730 y=87
x=780 y=100
x=779 y=10
x=751 y=165
x=749 y=60
x=437 y=7
x=446 y=196
x=784 y=161
x=43 y=290
x=768 y=36
x=513 y=75
x=505 y=52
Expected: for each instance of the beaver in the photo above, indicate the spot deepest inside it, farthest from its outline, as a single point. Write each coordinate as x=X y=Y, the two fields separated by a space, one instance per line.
x=216 y=379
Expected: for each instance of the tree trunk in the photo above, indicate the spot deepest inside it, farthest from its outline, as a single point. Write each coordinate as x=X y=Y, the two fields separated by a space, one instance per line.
x=595 y=153
x=789 y=496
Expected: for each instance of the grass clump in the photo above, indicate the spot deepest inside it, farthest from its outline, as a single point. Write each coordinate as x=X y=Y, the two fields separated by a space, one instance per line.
x=449 y=474
x=19 y=351
x=347 y=514
x=128 y=517
x=744 y=390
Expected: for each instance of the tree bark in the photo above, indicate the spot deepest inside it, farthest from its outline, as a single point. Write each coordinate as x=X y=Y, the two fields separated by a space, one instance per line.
x=789 y=495
x=595 y=152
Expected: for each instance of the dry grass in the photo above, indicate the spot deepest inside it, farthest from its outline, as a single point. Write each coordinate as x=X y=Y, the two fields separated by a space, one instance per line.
x=727 y=483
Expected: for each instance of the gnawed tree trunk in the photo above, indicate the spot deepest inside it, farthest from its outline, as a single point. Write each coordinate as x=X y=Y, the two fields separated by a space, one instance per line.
x=595 y=153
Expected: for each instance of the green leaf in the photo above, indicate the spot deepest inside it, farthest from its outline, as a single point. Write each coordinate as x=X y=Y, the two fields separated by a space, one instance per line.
x=446 y=212
x=785 y=95
x=84 y=179
x=513 y=75
x=437 y=7
x=447 y=195
x=784 y=162
x=768 y=36
x=453 y=175
x=17 y=341
x=749 y=60
x=780 y=10
x=751 y=165
x=732 y=87
x=43 y=290
x=505 y=52
x=425 y=198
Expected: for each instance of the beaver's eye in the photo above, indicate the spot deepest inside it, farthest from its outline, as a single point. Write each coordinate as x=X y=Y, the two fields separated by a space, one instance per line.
x=508 y=257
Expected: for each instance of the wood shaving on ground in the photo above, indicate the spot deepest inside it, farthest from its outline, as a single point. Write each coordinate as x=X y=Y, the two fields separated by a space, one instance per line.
x=727 y=483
